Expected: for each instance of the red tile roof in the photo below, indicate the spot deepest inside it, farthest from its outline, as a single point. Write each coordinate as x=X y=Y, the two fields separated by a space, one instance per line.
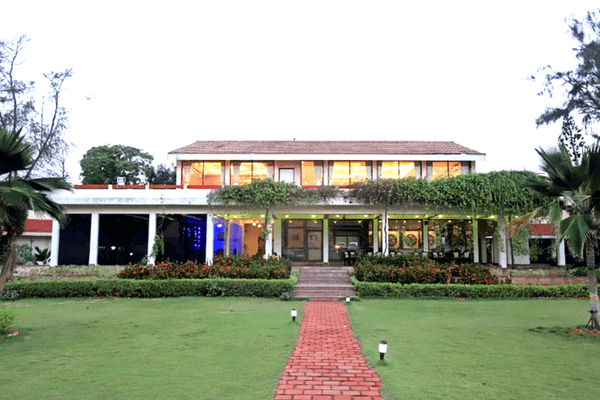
x=38 y=225
x=323 y=147
x=541 y=229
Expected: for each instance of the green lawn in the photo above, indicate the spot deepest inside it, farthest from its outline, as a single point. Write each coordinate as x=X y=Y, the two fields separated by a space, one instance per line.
x=448 y=349
x=176 y=348
x=232 y=348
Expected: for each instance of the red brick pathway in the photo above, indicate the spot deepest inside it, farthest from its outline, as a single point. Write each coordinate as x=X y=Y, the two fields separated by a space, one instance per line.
x=327 y=363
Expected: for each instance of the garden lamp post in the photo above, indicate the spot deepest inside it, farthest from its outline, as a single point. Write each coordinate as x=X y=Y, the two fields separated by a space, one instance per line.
x=294 y=314
x=382 y=349
x=347 y=299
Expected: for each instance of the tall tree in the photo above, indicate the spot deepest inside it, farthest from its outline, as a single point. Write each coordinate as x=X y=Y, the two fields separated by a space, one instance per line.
x=163 y=175
x=104 y=164
x=574 y=190
x=43 y=123
x=19 y=195
x=581 y=85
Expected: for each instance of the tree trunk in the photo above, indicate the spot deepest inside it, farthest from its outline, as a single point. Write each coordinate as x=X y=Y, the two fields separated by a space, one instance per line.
x=594 y=322
x=9 y=265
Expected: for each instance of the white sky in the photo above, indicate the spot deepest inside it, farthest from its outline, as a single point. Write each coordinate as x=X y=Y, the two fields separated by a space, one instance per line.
x=161 y=75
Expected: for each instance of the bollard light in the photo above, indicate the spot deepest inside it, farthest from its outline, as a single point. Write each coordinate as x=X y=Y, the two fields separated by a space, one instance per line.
x=347 y=299
x=382 y=349
x=294 y=314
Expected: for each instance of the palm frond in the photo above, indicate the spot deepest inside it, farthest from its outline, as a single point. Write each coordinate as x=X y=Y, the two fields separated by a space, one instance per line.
x=576 y=228
x=15 y=153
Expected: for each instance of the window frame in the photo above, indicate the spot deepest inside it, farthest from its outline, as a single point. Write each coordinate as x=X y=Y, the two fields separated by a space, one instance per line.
x=269 y=165
x=202 y=179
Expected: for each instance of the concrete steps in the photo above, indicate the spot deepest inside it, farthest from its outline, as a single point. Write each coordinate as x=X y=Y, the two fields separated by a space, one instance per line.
x=323 y=283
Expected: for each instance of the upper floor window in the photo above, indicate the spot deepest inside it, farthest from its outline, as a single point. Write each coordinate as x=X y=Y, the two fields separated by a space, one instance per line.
x=399 y=169
x=444 y=169
x=203 y=173
x=312 y=173
x=348 y=172
x=244 y=172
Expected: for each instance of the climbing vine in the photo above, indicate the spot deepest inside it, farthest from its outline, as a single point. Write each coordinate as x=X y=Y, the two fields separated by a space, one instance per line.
x=492 y=193
x=266 y=194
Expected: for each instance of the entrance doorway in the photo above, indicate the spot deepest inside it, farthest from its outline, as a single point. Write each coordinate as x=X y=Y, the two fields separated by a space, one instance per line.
x=253 y=244
x=303 y=240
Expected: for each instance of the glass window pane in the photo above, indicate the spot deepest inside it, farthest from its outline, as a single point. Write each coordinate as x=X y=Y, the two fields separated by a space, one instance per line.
x=340 y=174
x=439 y=170
x=407 y=169
x=359 y=171
x=241 y=173
x=312 y=173
x=185 y=173
x=260 y=171
x=192 y=173
x=245 y=176
x=212 y=173
x=454 y=168
x=389 y=170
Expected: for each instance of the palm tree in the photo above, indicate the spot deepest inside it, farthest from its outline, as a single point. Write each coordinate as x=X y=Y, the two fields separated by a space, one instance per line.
x=19 y=195
x=573 y=191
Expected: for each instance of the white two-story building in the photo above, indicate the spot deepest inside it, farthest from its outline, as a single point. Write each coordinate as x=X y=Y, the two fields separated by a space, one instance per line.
x=118 y=224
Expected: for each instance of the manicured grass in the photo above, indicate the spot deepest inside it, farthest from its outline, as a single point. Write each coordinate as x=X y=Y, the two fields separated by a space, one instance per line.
x=492 y=349
x=175 y=348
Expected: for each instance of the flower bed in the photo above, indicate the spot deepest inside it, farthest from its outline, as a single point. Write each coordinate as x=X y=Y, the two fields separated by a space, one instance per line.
x=222 y=267
x=414 y=268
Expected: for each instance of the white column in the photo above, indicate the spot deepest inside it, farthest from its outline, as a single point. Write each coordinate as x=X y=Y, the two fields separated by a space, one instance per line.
x=475 y=238
x=502 y=245
x=385 y=239
x=94 y=232
x=227 y=237
x=375 y=235
x=210 y=236
x=561 y=260
x=269 y=238
x=277 y=237
x=326 y=241
x=151 y=238
x=425 y=227
x=55 y=243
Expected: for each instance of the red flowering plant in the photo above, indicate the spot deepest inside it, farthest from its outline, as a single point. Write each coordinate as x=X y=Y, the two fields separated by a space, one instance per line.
x=472 y=274
x=414 y=268
x=222 y=267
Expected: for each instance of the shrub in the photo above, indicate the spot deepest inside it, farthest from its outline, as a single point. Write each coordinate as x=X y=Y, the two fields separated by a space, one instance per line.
x=7 y=317
x=581 y=271
x=223 y=267
x=395 y=290
x=414 y=268
x=152 y=288
x=25 y=254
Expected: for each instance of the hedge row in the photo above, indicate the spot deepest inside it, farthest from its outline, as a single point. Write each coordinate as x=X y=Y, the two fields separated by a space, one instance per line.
x=149 y=288
x=508 y=291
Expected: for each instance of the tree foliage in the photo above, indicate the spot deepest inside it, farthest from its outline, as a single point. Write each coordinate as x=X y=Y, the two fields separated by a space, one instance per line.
x=572 y=139
x=573 y=189
x=104 y=164
x=163 y=175
x=581 y=85
x=42 y=123
x=19 y=195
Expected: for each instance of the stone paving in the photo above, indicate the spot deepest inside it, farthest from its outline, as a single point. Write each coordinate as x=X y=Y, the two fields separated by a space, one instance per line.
x=326 y=363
